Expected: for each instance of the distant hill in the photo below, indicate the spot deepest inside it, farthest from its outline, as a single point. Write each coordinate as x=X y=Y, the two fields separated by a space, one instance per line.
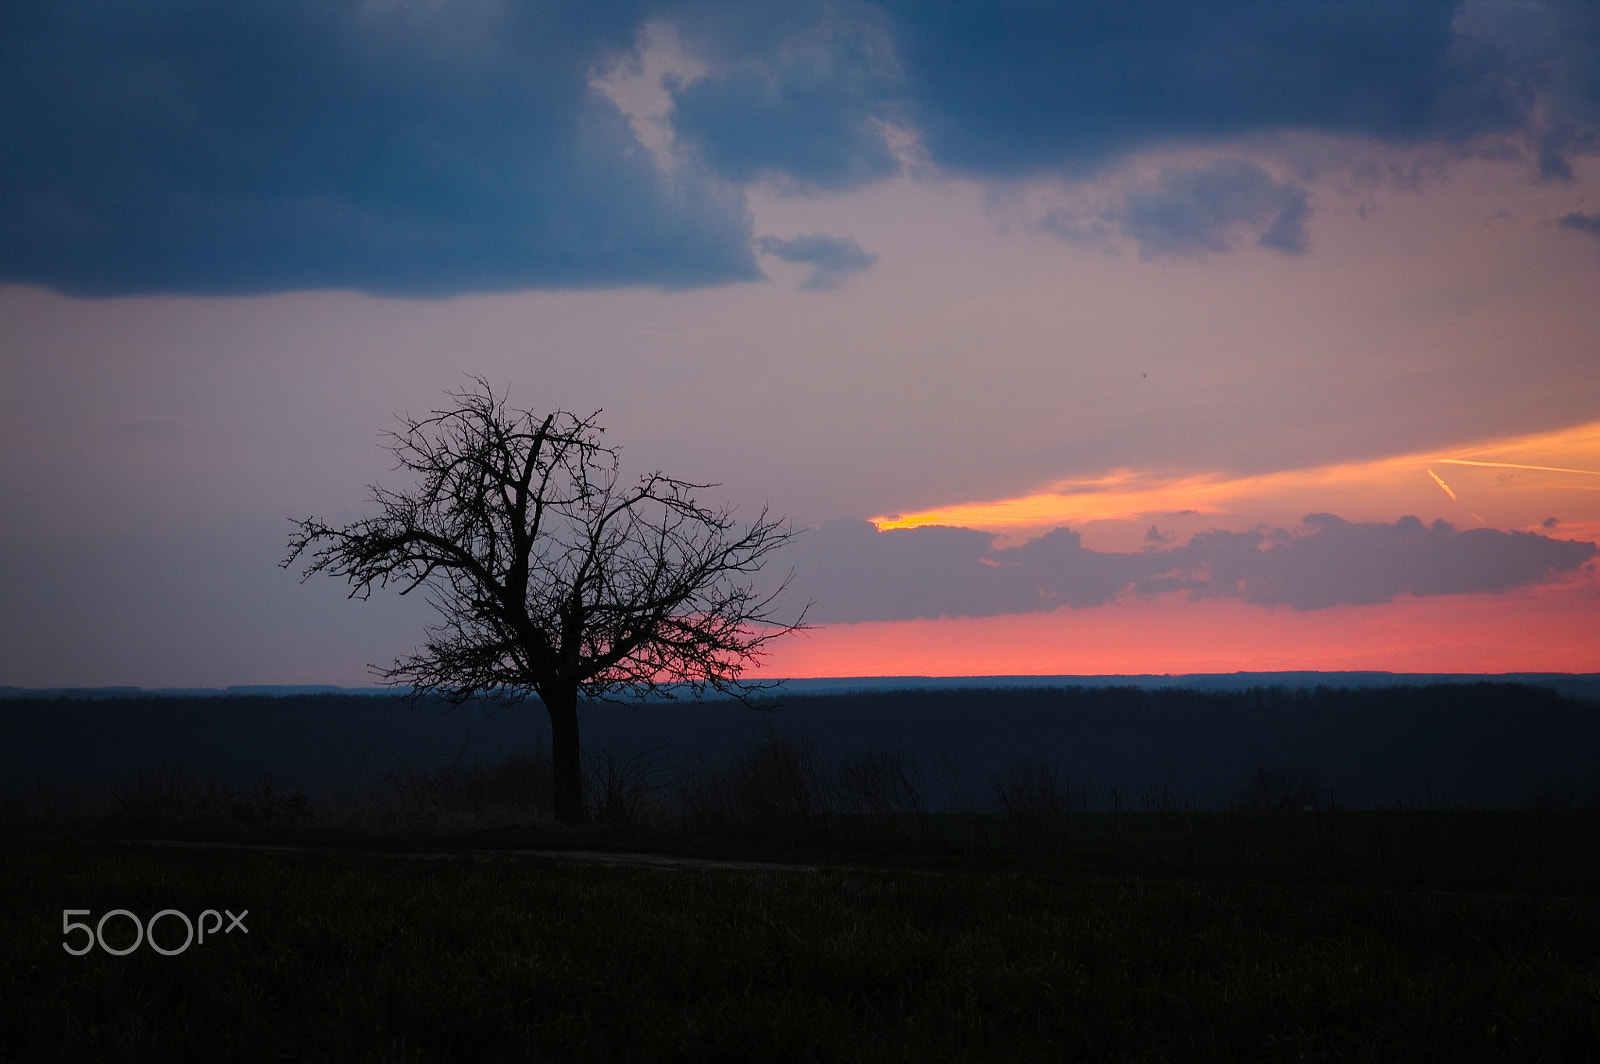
x=1575 y=685
x=266 y=690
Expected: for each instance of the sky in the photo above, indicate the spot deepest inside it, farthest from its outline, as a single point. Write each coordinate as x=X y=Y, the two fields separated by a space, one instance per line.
x=1135 y=337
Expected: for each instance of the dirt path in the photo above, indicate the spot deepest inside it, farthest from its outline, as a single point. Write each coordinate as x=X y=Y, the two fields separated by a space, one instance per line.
x=671 y=863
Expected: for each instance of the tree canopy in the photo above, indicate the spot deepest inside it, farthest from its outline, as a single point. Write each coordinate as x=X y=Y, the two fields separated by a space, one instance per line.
x=551 y=574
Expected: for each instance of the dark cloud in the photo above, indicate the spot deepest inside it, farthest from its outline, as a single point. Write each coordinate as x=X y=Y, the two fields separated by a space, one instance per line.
x=1583 y=223
x=857 y=574
x=831 y=259
x=808 y=113
x=1019 y=87
x=1199 y=210
x=409 y=149
x=1016 y=88
x=1341 y=563
x=415 y=148
x=1059 y=571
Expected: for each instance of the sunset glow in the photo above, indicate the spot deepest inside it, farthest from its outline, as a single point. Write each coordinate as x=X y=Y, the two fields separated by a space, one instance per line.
x=1065 y=341
x=1548 y=630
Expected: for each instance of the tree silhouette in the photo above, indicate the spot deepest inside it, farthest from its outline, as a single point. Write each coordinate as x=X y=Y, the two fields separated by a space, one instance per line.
x=551 y=576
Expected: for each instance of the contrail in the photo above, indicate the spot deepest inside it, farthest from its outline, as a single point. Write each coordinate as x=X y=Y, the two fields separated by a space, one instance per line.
x=1442 y=485
x=1514 y=465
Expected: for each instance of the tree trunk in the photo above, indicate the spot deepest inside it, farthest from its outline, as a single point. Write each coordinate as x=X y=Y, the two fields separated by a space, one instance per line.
x=567 y=776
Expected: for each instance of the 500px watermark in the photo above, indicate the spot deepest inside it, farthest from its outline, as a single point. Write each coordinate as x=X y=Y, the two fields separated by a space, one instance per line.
x=146 y=932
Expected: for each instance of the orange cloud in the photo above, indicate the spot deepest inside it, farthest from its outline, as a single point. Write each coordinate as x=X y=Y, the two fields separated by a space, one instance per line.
x=1517 y=482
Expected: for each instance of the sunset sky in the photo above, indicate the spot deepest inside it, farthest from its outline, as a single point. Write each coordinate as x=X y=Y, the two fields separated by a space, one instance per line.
x=1124 y=337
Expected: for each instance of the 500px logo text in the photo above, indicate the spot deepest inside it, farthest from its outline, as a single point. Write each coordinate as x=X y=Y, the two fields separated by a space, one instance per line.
x=146 y=932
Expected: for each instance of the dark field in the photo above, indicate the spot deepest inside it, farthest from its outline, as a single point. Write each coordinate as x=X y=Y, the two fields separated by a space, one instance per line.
x=378 y=956
x=912 y=905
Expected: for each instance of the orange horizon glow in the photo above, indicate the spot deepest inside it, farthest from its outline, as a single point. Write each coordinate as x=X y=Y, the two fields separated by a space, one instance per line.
x=1550 y=628
x=1524 y=482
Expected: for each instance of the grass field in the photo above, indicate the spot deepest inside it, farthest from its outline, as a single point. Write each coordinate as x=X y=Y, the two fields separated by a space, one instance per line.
x=408 y=920
x=373 y=955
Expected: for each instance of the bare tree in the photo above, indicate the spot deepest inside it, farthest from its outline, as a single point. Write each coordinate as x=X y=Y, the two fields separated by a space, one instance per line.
x=553 y=577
